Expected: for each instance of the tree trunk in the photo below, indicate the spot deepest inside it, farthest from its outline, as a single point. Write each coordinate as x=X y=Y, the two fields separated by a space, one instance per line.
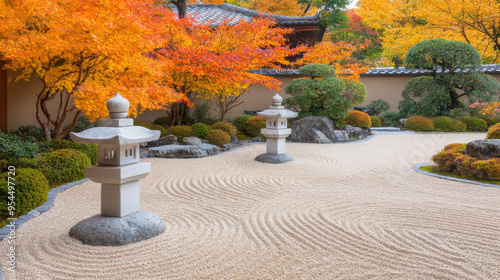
x=181 y=8
x=454 y=98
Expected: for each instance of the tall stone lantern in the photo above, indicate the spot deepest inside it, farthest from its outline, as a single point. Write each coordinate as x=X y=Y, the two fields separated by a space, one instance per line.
x=276 y=131
x=119 y=171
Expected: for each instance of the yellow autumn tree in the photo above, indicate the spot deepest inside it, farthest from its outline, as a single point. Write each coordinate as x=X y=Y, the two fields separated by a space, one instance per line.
x=407 y=22
x=83 y=52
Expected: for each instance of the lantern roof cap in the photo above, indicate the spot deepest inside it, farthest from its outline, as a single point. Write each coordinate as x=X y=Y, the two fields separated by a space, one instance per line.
x=276 y=110
x=115 y=135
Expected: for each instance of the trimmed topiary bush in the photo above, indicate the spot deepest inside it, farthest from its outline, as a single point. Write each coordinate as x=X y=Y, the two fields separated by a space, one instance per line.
x=417 y=123
x=494 y=132
x=151 y=126
x=180 y=131
x=376 y=121
x=253 y=126
x=218 y=137
x=163 y=121
x=226 y=127
x=475 y=124
x=445 y=124
x=200 y=130
x=491 y=121
x=239 y=122
x=30 y=191
x=359 y=119
x=57 y=144
x=62 y=166
x=390 y=118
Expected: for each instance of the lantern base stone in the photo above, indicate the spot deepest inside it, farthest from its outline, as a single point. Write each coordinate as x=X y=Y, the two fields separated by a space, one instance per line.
x=274 y=158
x=111 y=231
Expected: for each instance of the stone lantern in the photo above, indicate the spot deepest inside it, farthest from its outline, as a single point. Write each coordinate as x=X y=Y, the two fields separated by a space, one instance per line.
x=119 y=171
x=276 y=131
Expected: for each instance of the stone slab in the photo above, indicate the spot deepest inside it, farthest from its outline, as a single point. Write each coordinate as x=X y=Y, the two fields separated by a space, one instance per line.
x=274 y=158
x=111 y=231
x=191 y=141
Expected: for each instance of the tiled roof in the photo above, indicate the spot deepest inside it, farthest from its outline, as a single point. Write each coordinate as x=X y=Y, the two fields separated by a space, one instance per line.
x=216 y=14
x=386 y=71
x=274 y=72
x=389 y=71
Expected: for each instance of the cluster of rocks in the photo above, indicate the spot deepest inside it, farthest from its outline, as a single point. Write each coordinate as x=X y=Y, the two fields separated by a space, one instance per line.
x=321 y=130
x=190 y=147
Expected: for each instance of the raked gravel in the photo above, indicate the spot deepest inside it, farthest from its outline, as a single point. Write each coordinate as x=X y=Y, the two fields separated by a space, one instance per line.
x=354 y=211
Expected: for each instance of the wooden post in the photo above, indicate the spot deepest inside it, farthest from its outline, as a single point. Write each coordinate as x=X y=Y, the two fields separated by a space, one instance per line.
x=3 y=96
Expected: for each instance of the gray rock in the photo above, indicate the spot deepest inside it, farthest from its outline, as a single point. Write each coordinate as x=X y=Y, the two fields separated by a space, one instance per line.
x=483 y=149
x=112 y=231
x=25 y=217
x=341 y=135
x=181 y=151
x=257 y=139
x=234 y=139
x=204 y=141
x=143 y=152
x=191 y=141
x=274 y=158
x=165 y=140
x=357 y=132
x=34 y=213
x=401 y=123
x=313 y=130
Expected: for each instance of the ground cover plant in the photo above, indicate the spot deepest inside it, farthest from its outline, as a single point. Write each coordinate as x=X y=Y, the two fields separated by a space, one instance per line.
x=452 y=159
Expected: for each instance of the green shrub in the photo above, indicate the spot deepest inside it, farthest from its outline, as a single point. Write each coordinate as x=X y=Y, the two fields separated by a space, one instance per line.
x=180 y=131
x=475 y=124
x=354 y=91
x=30 y=191
x=29 y=133
x=12 y=148
x=254 y=125
x=239 y=122
x=457 y=147
x=57 y=144
x=379 y=106
x=419 y=124
x=494 y=132
x=359 y=119
x=487 y=169
x=445 y=124
x=163 y=121
x=390 y=118
x=200 y=130
x=376 y=121
x=218 y=137
x=226 y=127
x=423 y=96
x=152 y=126
x=201 y=112
x=243 y=136
x=490 y=121
x=62 y=166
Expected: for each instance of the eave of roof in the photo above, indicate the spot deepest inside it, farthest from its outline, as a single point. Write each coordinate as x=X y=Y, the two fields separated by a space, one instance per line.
x=219 y=13
x=386 y=71
x=401 y=71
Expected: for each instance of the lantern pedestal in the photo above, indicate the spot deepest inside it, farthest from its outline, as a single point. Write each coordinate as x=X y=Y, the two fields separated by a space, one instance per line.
x=274 y=158
x=112 y=231
x=119 y=171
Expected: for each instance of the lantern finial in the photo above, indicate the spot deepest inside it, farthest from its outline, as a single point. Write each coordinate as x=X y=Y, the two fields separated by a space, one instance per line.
x=277 y=99
x=118 y=107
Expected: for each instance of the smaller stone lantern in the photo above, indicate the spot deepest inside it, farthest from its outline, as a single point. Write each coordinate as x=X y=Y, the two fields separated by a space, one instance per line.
x=276 y=131
x=119 y=171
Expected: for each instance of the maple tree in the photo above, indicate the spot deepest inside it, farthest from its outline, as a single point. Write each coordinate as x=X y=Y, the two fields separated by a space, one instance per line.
x=406 y=22
x=210 y=62
x=338 y=56
x=85 y=51
x=358 y=34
